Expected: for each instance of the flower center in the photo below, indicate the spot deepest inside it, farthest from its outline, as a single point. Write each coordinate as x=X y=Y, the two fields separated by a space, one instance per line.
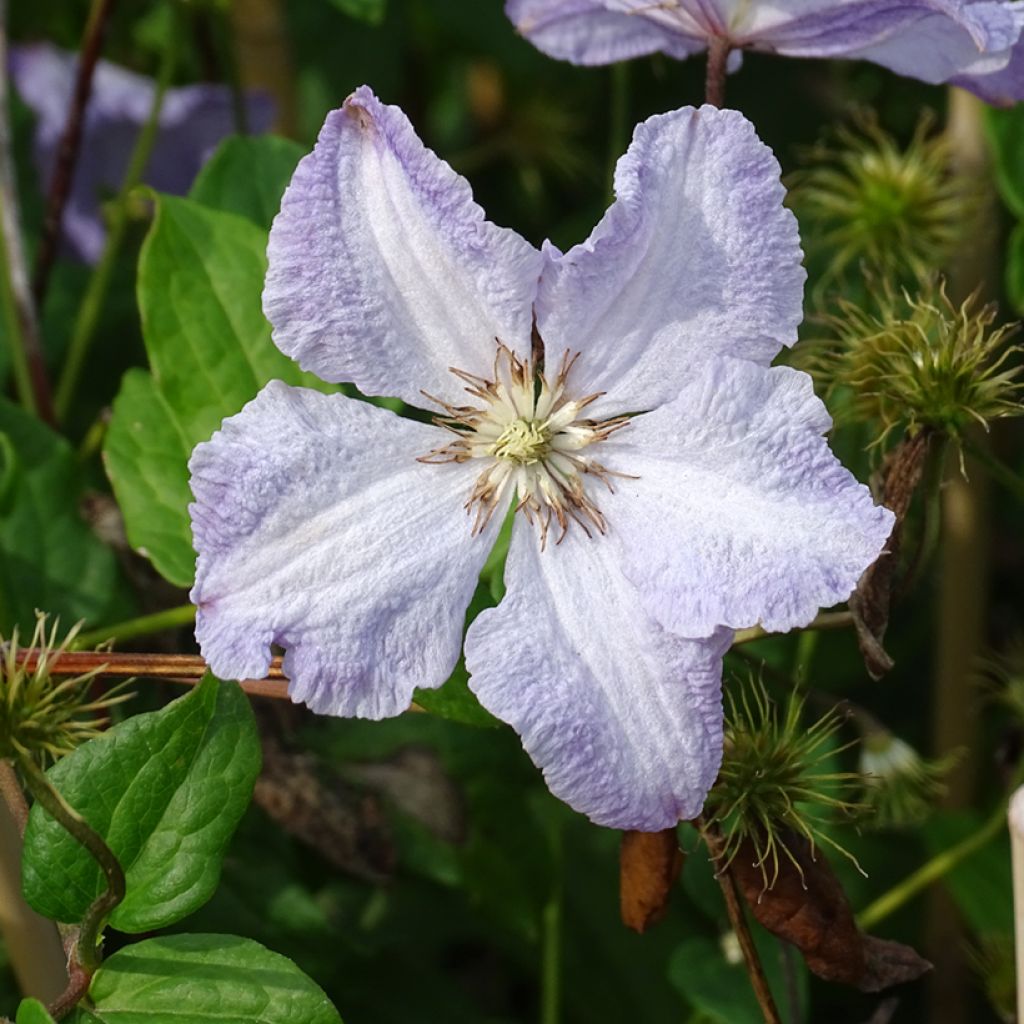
x=522 y=441
x=531 y=438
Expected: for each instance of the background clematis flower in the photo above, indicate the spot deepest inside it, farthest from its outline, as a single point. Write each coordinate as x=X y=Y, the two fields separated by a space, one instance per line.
x=972 y=43
x=668 y=484
x=193 y=119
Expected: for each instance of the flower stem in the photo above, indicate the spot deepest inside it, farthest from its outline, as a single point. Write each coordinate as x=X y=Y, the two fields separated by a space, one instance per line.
x=931 y=871
x=13 y=797
x=551 y=941
x=718 y=59
x=99 y=284
x=19 y=312
x=618 y=120
x=826 y=620
x=69 y=146
x=144 y=625
x=87 y=946
x=738 y=920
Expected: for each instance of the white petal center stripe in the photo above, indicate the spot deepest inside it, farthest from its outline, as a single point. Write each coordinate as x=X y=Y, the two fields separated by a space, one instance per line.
x=531 y=436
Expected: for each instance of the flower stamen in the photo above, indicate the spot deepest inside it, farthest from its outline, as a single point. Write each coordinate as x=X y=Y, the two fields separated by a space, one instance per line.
x=532 y=435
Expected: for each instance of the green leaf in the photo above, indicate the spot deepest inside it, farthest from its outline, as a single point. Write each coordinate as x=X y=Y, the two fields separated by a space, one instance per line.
x=196 y=979
x=49 y=558
x=721 y=990
x=1006 y=137
x=247 y=175
x=979 y=883
x=370 y=11
x=166 y=790
x=200 y=281
x=456 y=701
x=31 y=1011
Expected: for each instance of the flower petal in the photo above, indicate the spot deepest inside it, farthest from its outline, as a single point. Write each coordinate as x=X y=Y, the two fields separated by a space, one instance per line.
x=318 y=530
x=624 y=719
x=696 y=256
x=383 y=271
x=588 y=32
x=739 y=513
x=193 y=120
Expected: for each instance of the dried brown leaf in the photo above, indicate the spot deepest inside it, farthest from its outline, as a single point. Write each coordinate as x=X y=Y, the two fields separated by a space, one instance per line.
x=649 y=865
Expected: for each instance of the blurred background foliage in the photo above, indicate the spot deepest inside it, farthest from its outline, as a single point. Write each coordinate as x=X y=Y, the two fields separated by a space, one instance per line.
x=417 y=868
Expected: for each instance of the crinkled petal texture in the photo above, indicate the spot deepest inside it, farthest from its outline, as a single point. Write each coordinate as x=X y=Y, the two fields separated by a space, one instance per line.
x=594 y=32
x=319 y=531
x=697 y=256
x=624 y=718
x=739 y=513
x=193 y=120
x=383 y=270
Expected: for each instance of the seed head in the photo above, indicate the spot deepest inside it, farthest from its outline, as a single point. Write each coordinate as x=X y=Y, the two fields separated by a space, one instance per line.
x=775 y=779
x=901 y=788
x=862 y=199
x=43 y=714
x=921 y=361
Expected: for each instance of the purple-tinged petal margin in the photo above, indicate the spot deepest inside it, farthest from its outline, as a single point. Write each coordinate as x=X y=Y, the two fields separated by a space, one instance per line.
x=587 y=32
x=318 y=530
x=624 y=719
x=383 y=270
x=739 y=513
x=697 y=256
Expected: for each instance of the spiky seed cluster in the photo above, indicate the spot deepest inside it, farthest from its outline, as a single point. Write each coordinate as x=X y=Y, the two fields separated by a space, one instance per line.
x=530 y=437
x=775 y=779
x=44 y=715
x=901 y=788
x=921 y=361
x=864 y=199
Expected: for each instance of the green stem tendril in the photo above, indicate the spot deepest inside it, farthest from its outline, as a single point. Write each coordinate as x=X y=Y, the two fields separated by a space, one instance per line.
x=144 y=625
x=824 y=621
x=87 y=946
x=99 y=284
x=551 y=940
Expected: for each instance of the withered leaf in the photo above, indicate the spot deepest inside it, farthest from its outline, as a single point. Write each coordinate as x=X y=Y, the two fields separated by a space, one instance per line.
x=806 y=906
x=343 y=823
x=649 y=865
x=899 y=479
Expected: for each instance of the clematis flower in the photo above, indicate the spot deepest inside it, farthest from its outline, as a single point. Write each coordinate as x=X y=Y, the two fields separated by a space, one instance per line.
x=193 y=119
x=972 y=43
x=666 y=484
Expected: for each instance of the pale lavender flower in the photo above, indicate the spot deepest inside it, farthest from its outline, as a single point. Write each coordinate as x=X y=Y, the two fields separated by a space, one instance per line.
x=194 y=118
x=669 y=485
x=972 y=43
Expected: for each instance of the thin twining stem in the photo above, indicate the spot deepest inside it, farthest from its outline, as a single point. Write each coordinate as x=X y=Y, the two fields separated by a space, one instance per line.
x=69 y=147
x=87 y=946
x=824 y=621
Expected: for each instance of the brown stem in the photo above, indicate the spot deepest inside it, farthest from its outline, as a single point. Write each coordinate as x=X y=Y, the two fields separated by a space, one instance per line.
x=188 y=669
x=10 y=790
x=68 y=147
x=718 y=59
x=738 y=920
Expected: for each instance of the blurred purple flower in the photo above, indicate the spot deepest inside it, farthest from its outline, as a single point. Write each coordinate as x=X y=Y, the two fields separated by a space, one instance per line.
x=193 y=120
x=670 y=485
x=972 y=43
